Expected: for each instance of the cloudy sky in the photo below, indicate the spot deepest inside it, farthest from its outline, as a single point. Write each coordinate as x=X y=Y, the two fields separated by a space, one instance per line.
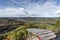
x=29 y=8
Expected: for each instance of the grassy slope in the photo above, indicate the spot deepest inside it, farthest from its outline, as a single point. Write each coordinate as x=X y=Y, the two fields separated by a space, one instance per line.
x=21 y=34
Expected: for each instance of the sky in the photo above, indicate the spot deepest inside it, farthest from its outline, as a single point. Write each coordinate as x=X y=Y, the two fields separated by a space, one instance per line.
x=29 y=8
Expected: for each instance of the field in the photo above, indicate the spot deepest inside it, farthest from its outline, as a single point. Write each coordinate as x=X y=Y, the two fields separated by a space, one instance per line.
x=15 y=28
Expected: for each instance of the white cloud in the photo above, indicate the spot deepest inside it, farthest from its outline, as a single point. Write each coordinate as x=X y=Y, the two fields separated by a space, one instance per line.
x=48 y=9
x=58 y=11
x=12 y=12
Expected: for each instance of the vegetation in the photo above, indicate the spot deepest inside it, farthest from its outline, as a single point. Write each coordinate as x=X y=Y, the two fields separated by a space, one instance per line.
x=20 y=33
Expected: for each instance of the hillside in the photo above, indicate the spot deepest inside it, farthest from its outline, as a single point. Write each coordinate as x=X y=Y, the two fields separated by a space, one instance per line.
x=8 y=24
x=18 y=26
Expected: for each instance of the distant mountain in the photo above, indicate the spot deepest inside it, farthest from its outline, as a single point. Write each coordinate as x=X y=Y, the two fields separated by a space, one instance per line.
x=33 y=18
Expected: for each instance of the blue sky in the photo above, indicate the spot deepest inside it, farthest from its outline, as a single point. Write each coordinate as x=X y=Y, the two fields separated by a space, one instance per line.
x=29 y=8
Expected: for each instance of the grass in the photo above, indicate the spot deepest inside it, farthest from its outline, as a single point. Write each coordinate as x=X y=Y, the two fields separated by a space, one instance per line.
x=21 y=33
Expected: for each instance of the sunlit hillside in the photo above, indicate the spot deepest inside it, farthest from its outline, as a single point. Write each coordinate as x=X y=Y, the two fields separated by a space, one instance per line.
x=15 y=29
